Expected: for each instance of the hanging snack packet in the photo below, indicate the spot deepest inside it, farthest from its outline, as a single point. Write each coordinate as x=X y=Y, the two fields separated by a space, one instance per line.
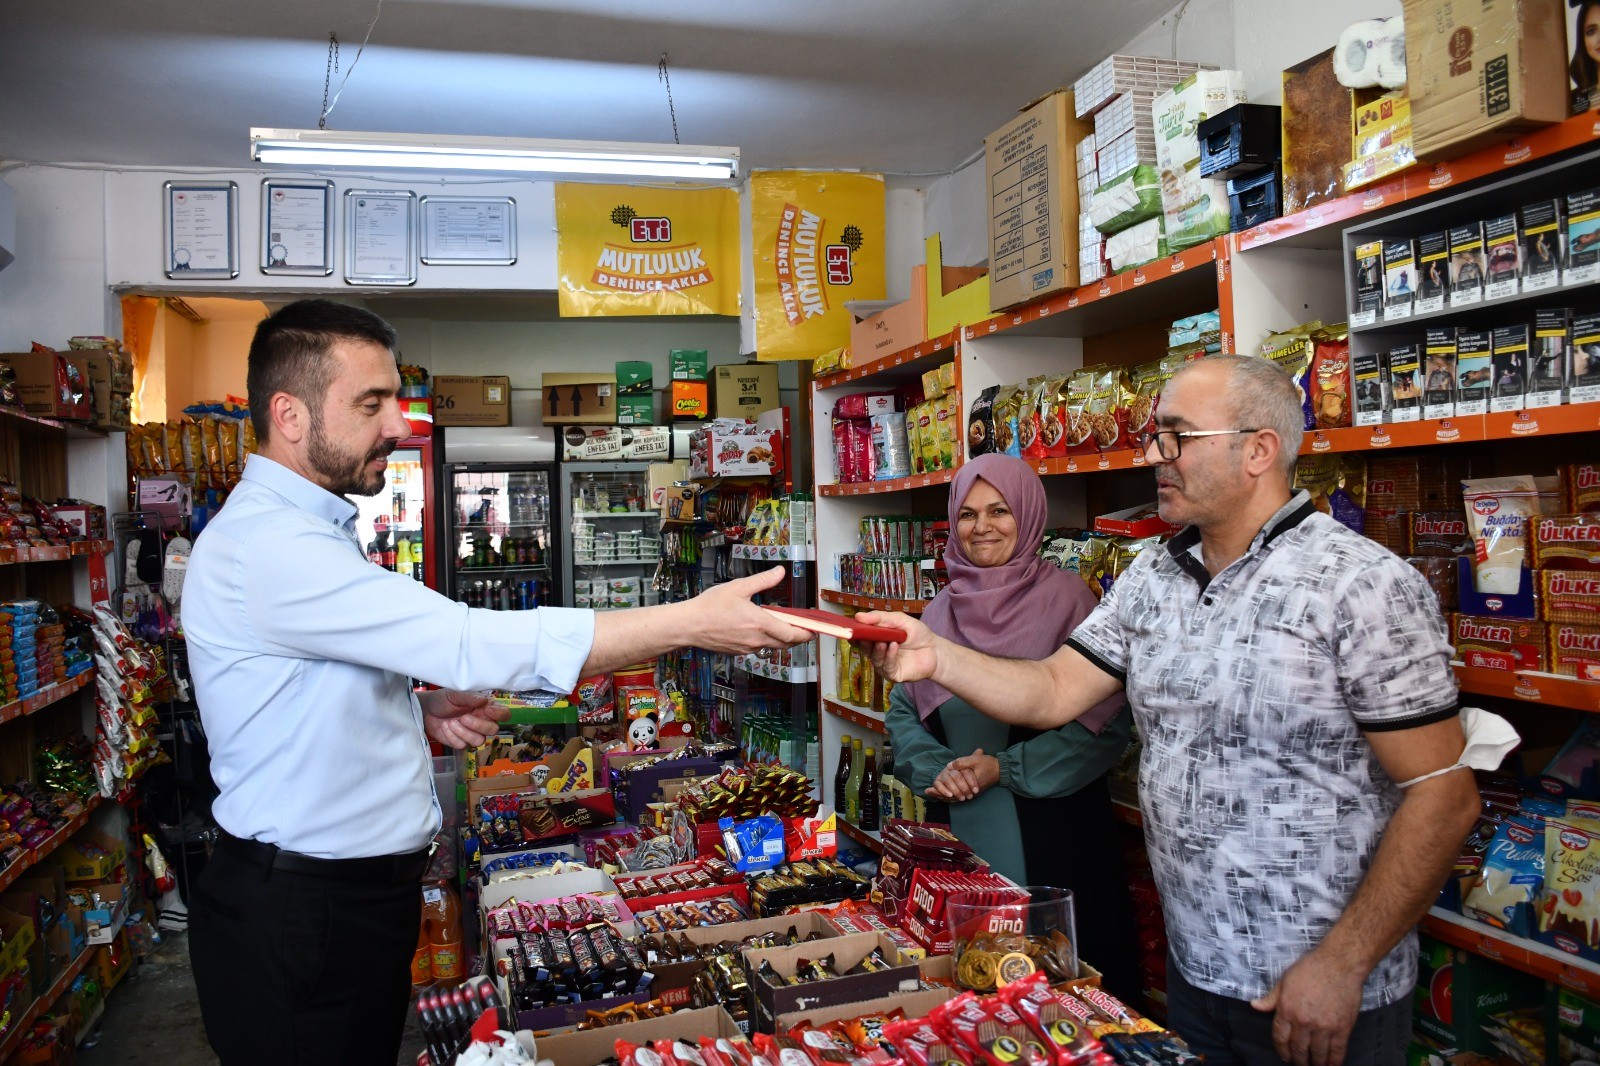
x=980 y=423
x=1007 y=408
x=1104 y=403
x=1028 y=442
x=1330 y=378
x=1513 y=874
x=1075 y=413
x=1053 y=416
x=1498 y=510
x=1569 y=902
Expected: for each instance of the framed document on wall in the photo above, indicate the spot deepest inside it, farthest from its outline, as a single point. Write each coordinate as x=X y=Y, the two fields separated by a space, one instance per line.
x=201 y=223
x=380 y=237
x=297 y=227
x=469 y=230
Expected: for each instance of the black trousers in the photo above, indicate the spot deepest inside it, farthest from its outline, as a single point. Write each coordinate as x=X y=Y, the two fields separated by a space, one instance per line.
x=298 y=968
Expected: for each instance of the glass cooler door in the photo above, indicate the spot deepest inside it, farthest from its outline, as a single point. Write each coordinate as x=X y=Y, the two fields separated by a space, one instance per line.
x=500 y=526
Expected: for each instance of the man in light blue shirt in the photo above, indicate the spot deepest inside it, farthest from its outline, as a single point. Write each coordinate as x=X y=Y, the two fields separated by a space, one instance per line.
x=303 y=923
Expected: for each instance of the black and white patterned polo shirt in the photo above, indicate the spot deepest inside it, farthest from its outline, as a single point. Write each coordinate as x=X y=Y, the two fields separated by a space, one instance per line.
x=1263 y=802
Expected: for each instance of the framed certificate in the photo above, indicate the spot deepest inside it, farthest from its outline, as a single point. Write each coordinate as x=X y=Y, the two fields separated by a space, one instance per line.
x=202 y=229
x=297 y=227
x=380 y=237
x=469 y=230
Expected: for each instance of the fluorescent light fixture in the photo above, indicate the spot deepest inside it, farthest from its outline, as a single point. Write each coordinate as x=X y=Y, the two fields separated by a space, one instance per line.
x=506 y=155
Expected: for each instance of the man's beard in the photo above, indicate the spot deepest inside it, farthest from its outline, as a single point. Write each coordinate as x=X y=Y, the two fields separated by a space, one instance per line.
x=345 y=473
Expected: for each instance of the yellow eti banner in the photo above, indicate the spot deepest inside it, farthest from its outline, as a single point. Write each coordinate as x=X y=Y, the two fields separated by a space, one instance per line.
x=629 y=250
x=817 y=242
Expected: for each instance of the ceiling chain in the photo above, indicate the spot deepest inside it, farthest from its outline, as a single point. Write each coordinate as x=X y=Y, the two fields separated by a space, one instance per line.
x=662 y=75
x=327 y=79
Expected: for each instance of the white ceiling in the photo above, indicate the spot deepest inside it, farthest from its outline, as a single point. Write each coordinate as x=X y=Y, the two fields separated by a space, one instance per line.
x=898 y=86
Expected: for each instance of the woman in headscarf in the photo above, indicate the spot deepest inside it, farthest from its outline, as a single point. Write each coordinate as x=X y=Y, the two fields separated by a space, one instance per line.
x=1034 y=804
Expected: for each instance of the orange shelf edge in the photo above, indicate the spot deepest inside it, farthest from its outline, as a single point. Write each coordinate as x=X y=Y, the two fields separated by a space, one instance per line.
x=1425 y=180
x=868 y=603
x=1530 y=687
x=1210 y=252
x=899 y=484
x=854 y=714
x=57 y=989
x=1529 y=957
x=945 y=342
x=45 y=697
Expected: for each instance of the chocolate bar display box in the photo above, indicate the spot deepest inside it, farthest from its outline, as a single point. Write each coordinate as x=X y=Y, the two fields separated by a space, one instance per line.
x=847 y=951
x=673 y=978
x=595 y=1046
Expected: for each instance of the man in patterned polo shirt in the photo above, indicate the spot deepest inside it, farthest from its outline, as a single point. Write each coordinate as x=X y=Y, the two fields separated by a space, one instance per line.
x=1288 y=677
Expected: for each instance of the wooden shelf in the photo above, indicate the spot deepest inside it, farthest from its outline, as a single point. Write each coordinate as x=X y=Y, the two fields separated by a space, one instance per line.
x=1550 y=690
x=899 y=484
x=919 y=357
x=12 y=554
x=1174 y=282
x=1540 y=960
x=1316 y=227
x=72 y=429
x=869 y=839
x=867 y=603
x=860 y=716
x=1127 y=813
x=45 y=697
x=51 y=843
x=24 y=1022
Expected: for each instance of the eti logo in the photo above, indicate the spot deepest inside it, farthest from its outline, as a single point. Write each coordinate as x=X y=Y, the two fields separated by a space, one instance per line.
x=838 y=262
x=650 y=230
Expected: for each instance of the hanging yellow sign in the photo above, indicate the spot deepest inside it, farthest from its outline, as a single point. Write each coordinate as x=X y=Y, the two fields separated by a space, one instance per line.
x=818 y=241
x=630 y=250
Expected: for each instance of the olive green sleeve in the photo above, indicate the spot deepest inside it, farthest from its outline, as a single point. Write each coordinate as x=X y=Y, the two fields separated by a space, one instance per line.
x=918 y=757
x=1062 y=761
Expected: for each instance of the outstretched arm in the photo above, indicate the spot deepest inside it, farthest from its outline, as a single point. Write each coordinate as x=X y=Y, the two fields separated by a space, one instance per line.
x=1042 y=694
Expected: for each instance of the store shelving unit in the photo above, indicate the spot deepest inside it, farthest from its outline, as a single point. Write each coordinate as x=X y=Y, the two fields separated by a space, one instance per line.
x=1529 y=956
x=48 y=459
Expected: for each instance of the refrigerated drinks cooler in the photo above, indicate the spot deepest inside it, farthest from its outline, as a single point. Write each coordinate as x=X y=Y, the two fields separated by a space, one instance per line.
x=615 y=537
x=396 y=526
x=499 y=535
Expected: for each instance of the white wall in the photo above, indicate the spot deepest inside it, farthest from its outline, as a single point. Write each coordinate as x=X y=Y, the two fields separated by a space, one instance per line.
x=1272 y=34
x=56 y=288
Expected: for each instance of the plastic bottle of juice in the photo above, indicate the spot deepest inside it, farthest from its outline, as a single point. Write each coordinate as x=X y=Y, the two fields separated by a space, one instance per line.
x=422 y=961
x=441 y=911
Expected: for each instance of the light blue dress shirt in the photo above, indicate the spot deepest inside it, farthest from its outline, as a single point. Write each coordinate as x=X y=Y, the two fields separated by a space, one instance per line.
x=301 y=650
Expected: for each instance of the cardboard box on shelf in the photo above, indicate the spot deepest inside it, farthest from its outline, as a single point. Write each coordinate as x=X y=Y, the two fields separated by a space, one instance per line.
x=472 y=401
x=1382 y=142
x=661 y=476
x=636 y=410
x=744 y=390
x=1482 y=72
x=689 y=364
x=1318 y=116
x=92 y=856
x=691 y=401
x=634 y=377
x=52 y=384
x=673 y=978
x=18 y=934
x=735 y=454
x=956 y=296
x=577 y=398
x=107 y=379
x=1032 y=172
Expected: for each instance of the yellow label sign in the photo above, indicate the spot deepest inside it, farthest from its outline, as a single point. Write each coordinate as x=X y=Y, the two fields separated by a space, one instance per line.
x=817 y=242
x=629 y=250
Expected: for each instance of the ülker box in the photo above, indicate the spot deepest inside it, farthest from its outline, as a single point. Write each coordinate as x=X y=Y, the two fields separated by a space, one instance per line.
x=1499 y=643
x=1574 y=650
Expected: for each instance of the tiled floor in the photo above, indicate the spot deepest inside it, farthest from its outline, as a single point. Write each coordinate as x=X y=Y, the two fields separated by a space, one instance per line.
x=153 y=1017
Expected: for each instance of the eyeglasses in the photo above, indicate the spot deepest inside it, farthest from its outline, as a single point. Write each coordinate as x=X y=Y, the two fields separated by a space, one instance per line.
x=1169 y=442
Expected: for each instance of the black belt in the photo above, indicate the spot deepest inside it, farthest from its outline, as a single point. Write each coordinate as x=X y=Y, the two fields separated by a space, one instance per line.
x=374 y=870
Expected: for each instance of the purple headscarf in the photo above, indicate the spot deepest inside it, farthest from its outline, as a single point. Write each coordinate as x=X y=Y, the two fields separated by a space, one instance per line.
x=1022 y=609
